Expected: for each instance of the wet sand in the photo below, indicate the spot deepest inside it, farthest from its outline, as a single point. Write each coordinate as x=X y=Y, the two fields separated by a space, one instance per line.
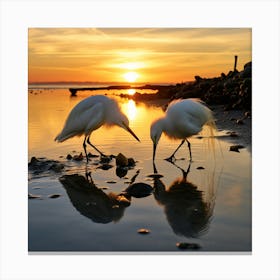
x=238 y=121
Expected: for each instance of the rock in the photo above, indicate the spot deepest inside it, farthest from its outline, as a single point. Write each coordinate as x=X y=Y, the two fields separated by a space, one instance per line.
x=69 y=157
x=233 y=134
x=105 y=159
x=105 y=166
x=33 y=161
x=200 y=167
x=56 y=167
x=131 y=162
x=90 y=155
x=111 y=182
x=240 y=121
x=121 y=172
x=138 y=190
x=188 y=246
x=121 y=160
x=54 y=195
x=143 y=231
x=33 y=196
x=78 y=157
x=235 y=148
x=156 y=175
x=123 y=200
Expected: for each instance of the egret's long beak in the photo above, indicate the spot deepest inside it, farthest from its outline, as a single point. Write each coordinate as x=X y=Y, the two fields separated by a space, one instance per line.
x=154 y=151
x=131 y=132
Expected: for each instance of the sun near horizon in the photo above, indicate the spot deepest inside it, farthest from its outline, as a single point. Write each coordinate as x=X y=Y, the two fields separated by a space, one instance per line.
x=134 y=55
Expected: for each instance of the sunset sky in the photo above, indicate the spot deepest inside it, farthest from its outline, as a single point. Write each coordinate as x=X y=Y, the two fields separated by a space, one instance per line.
x=144 y=55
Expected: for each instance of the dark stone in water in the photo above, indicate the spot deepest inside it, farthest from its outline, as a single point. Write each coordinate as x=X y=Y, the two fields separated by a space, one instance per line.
x=121 y=160
x=235 y=148
x=79 y=157
x=239 y=121
x=123 y=200
x=56 y=167
x=90 y=155
x=233 y=134
x=121 y=172
x=69 y=157
x=105 y=166
x=33 y=196
x=188 y=246
x=156 y=175
x=143 y=231
x=54 y=195
x=200 y=167
x=131 y=162
x=38 y=166
x=105 y=159
x=138 y=190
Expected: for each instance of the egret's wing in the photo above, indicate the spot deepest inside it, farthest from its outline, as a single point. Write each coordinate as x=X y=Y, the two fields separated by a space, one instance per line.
x=82 y=120
x=188 y=116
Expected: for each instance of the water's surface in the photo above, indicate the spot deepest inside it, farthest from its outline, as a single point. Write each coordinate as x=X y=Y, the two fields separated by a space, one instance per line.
x=210 y=207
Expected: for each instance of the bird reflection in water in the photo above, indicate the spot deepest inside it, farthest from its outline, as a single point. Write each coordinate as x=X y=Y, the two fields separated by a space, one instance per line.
x=93 y=202
x=186 y=210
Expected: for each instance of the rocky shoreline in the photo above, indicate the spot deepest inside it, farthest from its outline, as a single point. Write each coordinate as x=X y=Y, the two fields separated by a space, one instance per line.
x=232 y=90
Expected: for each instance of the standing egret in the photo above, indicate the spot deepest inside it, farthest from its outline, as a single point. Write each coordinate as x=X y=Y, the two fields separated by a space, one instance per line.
x=183 y=119
x=89 y=115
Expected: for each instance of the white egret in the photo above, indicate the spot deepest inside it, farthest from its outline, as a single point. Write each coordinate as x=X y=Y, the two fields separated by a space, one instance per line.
x=183 y=119
x=89 y=115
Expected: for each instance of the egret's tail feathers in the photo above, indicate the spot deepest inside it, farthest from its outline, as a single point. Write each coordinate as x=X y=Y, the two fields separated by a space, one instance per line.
x=212 y=128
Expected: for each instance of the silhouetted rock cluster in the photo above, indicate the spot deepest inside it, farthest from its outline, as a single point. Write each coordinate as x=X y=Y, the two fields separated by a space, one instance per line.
x=233 y=90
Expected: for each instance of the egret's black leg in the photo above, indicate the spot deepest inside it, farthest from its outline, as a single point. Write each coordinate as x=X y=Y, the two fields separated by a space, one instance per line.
x=172 y=157
x=189 y=146
x=85 y=148
x=94 y=147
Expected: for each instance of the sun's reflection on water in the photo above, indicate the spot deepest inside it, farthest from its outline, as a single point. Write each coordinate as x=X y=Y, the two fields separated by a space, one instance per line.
x=130 y=109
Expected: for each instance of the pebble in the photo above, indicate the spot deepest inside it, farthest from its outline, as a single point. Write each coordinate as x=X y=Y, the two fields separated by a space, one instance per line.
x=138 y=190
x=105 y=166
x=54 y=195
x=121 y=160
x=143 y=231
x=121 y=172
x=123 y=200
x=78 y=157
x=105 y=159
x=69 y=157
x=131 y=162
x=33 y=196
x=233 y=134
x=156 y=175
x=200 y=167
x=186 y=246
x=90 y=155
x=235 y=148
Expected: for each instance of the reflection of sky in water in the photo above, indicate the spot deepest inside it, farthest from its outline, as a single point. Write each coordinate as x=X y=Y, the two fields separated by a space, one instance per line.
x=221 y=192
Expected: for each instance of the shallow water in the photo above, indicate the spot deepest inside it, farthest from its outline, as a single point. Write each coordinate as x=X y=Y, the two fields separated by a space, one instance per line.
x=210 y=207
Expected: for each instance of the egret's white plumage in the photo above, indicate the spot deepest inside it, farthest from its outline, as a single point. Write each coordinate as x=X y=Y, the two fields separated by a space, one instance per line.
x=183 y=118
x=90 y=114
